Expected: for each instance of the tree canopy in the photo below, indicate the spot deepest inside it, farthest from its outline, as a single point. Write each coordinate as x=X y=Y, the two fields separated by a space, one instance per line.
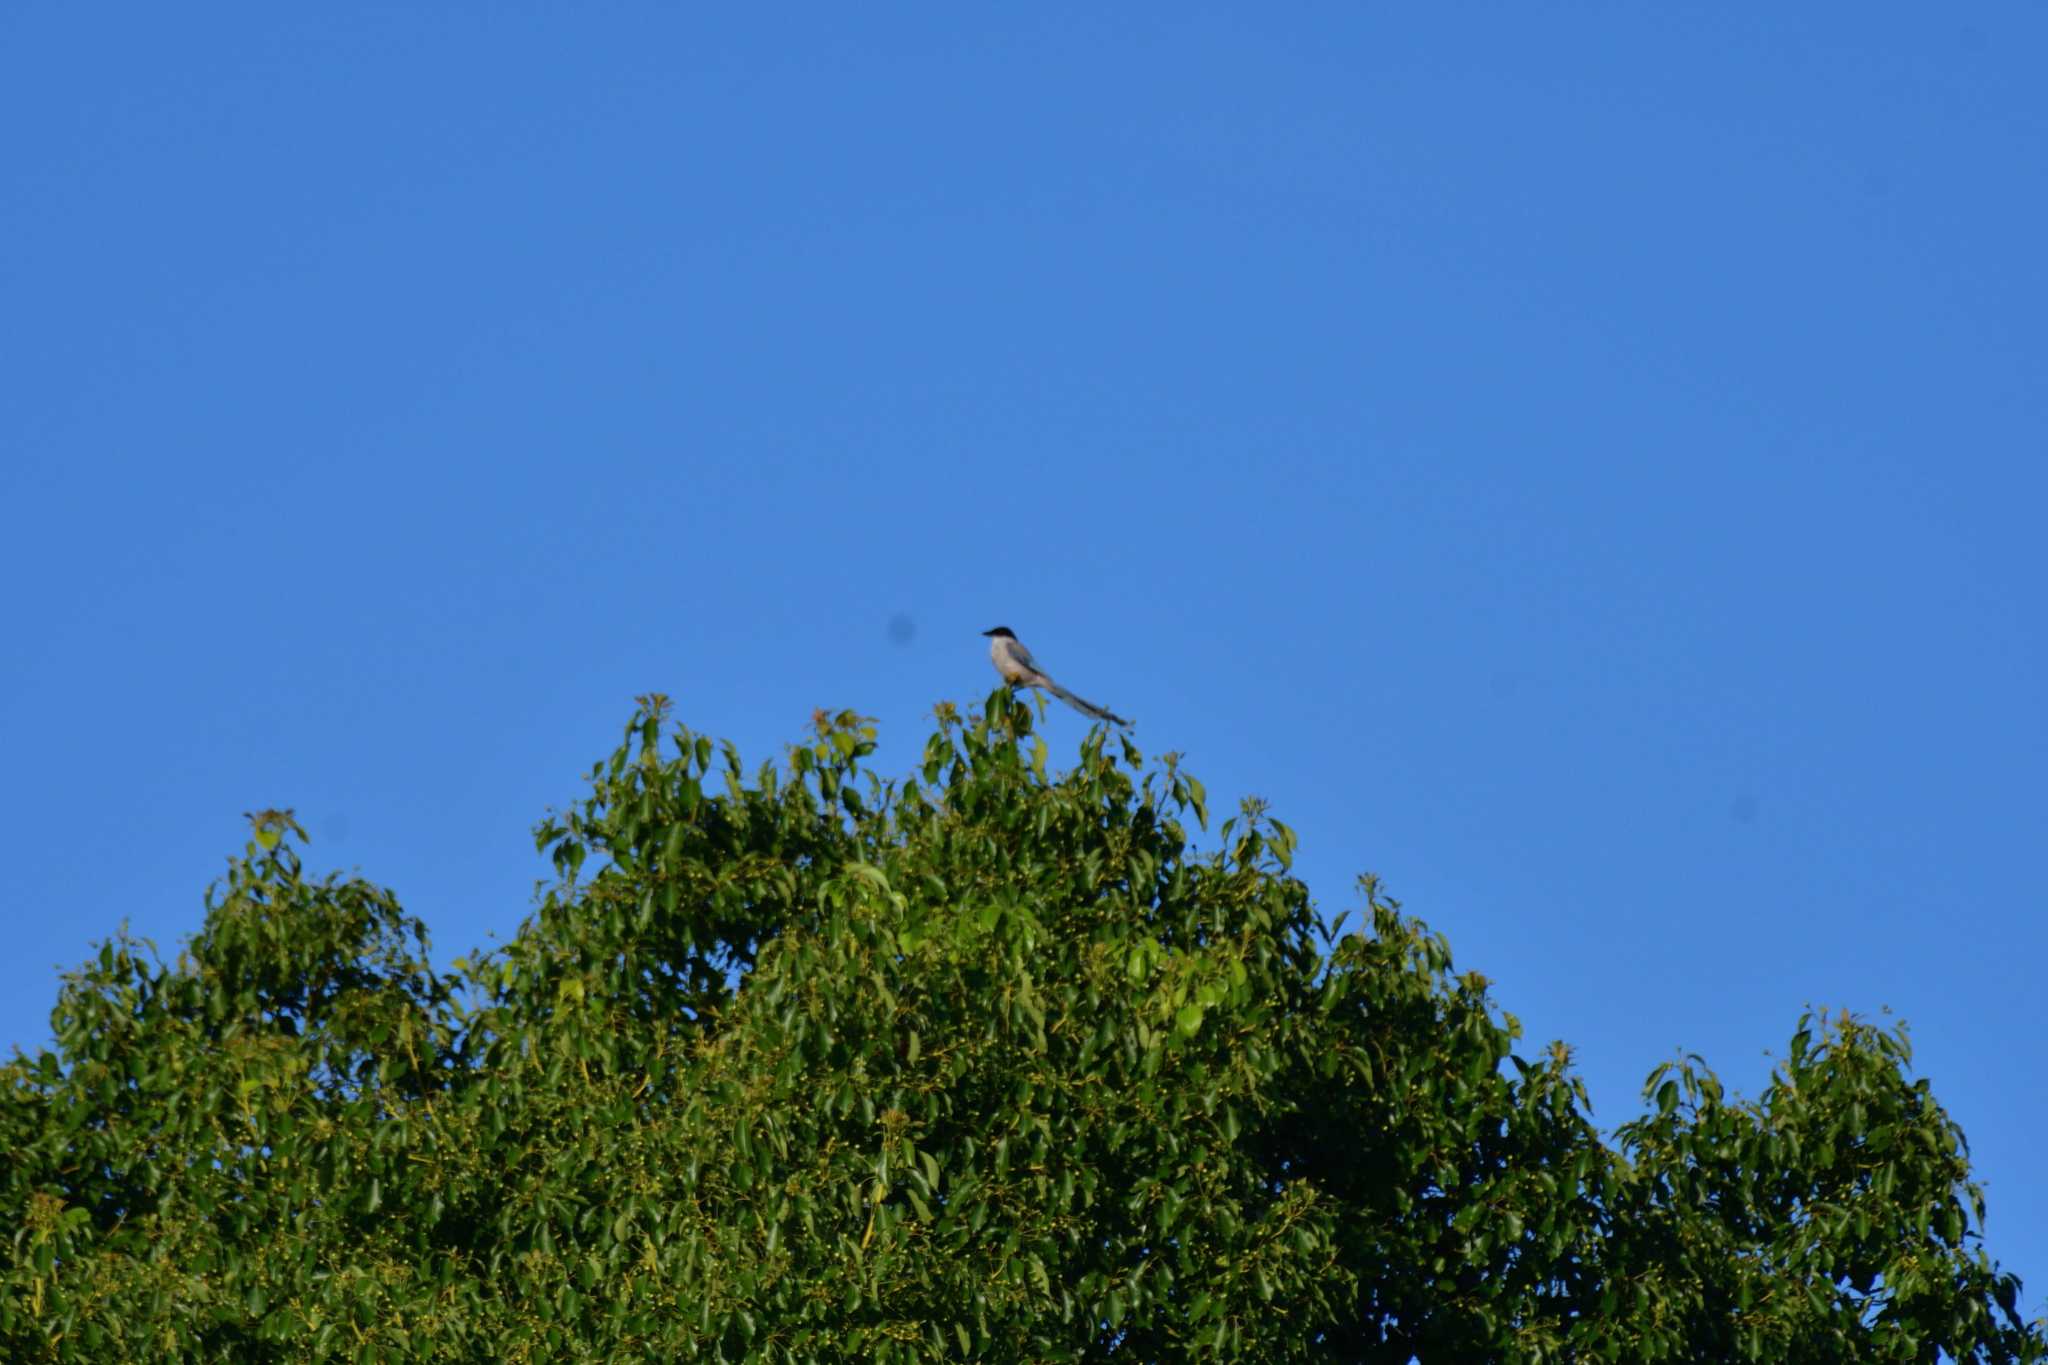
x=991 y=1062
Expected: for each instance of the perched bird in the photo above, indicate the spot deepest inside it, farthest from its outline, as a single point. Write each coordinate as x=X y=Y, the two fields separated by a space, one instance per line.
x=1019 y=669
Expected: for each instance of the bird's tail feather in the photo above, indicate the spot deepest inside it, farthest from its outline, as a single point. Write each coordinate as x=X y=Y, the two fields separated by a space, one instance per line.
x=1086 y=708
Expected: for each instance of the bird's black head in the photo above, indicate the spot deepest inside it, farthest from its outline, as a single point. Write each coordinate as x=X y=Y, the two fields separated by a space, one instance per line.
x=1001 y=633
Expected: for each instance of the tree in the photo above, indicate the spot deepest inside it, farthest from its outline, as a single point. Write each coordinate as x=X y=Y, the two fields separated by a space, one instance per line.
x=989 y=1063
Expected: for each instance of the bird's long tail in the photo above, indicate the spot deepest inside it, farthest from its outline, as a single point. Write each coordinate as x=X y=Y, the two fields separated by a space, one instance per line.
x=1086 y=708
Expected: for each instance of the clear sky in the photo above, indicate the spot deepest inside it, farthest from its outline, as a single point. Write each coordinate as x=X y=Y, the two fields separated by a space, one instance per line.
x=1584 y=464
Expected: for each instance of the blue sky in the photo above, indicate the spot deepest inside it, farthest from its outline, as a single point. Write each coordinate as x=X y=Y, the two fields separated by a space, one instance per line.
x=1585 y=465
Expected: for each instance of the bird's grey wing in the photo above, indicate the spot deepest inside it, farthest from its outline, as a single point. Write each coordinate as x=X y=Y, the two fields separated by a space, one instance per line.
x=1023 y=656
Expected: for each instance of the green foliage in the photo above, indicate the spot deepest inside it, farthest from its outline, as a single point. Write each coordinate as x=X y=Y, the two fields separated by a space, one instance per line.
x=990 y=1063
